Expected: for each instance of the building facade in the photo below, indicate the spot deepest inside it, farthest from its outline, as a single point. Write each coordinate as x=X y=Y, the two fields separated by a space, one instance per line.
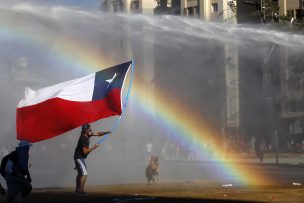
x=291 y=8
x=288 y=8
x=210 y=10
x=226 y=116
x=278 y=76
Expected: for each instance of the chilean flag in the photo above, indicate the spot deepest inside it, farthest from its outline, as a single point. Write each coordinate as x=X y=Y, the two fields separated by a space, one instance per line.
x=51 y=111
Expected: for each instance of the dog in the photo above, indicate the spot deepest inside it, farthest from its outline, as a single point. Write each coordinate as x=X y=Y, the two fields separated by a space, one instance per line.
x=152 y=170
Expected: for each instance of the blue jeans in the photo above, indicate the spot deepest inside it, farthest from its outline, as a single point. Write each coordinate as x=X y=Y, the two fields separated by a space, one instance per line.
x=16 y=185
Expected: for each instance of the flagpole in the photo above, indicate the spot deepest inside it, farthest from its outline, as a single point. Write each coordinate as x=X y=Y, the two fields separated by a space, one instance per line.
x=123 y=107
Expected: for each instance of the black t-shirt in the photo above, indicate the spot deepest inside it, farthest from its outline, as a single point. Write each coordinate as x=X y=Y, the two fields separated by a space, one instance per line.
x=83 y=141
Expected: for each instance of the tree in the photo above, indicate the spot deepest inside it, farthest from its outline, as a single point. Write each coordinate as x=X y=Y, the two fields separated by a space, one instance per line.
x=267 y=11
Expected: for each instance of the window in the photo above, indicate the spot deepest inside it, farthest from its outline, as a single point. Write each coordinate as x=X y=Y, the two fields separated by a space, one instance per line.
x=299 y=14
x=214 y=7
x=197 y=11
x=190 y=11
x=117 y=5
x=134 y=6
x=290 y=14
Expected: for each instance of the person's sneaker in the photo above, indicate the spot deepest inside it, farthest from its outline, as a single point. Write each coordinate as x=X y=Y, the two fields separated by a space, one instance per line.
x=2 y=190
x=82 y=193
x=19 y=198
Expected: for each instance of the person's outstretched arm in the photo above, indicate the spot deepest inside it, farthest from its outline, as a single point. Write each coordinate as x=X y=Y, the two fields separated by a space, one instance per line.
x=99 y=134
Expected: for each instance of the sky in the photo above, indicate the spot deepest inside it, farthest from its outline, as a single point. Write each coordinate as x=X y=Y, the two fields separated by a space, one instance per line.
x=70 y=3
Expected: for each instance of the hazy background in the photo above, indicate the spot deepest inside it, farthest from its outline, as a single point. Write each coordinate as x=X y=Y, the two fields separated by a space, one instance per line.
x=43 y=44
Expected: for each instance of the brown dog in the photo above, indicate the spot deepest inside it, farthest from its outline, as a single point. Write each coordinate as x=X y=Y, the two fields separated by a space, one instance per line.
x=152 y=169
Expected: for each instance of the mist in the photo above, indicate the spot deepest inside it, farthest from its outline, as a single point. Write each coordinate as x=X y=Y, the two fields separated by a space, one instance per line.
x=42 y=45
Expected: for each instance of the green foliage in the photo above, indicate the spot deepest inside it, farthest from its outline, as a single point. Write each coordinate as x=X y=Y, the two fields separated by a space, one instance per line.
x=270 y=13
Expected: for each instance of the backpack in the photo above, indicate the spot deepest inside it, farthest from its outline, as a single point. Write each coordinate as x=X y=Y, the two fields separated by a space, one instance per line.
x=3 y=165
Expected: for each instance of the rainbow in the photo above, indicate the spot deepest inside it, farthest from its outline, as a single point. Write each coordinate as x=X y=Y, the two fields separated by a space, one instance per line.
x=182 y=122
x=186 y=128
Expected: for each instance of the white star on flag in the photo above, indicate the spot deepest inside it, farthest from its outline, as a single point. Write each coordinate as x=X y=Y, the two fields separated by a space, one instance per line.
x=111 y=80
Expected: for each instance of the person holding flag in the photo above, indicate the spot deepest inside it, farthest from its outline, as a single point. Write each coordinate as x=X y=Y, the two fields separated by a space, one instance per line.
x=57 y=109
x=81 y=152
